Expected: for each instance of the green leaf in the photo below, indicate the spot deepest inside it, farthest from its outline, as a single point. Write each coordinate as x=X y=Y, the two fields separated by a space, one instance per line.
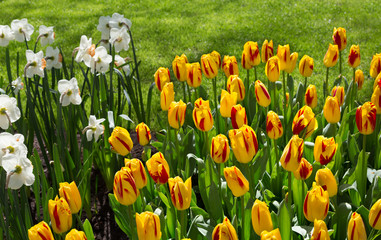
x=88 y=230
x=164 y=199
x=341 y=219
x=120 y=215
x=149 y=100
x=284 y=221
x=58 y=169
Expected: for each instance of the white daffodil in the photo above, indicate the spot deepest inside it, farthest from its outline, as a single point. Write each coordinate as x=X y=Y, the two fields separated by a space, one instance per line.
x=19 y=171
x=94 y=128
x=119 y=38
x=101 y=60
x=17 y=85
x=118 y=21
x=35 y=64
x=22 y=29
x=69 y=91
x=86 y=51
x=6 y=35
x=9 y=112
x=53 y=58
x=104 y=27
x=46 y=36
x=12 y=144
x=120 y=61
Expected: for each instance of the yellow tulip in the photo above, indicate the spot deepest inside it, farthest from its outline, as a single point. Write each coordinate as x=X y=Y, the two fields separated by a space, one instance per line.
x=267 y=50
x=377 y=81
x=217 y=58
x=376 y=99
x=176 y=114
x=274 y=126
x=331 y=56
x=72 y=196
x=143 y=133
x=304 y=122
x=366 y=118
x=331 y=110
x=310 y=97
x=356 y=228
x=194 y=75
x=167 y=96
x=181 y=193
x=40 y=231
x=125 y=189
x=304 y=170
x=324 y=149
x=327 y=181
x=354 y=56
x=220 y=149
x=306 y=66
x=339 y=37
x=235 y=84
x=359 y=78
x=320 y=231
x=374 y=215
x=291 y=66
x=230 y=65
x=162 y=77
x=261 y=217
x=158 y=168
x=202 y=115
x=120 y=141
x=236 y=181
x=273 y=235
x=224 y=231
x=250 y=55
x=244 y=143
x=261 y=94
x=375 y=65
x=148 y=226
x=138 y=171
x=272 y=69
x=292 y=154
x=338 y=93
x=209 y=66
x=238 y=116
x=60 y=215
x=283 y=55
x=227 y=102
x=316 y=203
x=179 y=66
x=74 y=234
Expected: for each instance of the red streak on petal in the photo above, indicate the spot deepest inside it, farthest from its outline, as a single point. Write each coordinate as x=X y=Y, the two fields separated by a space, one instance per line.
x=57 y=217
x=124 y=143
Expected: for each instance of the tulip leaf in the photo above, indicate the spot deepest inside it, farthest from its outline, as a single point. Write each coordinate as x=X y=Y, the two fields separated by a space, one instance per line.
x=88 y=230
x=120 y=216
x=171 y=221
x=341 y=219
x=298 y=197
x=284 y=221
x=300 y=95
x=215 y=204
x=164 y=199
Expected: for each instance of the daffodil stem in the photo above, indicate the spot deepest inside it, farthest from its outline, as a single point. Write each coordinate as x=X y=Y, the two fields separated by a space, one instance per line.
x=326 y=84
x=284 y=107
x=243 y=216
x=216 y=103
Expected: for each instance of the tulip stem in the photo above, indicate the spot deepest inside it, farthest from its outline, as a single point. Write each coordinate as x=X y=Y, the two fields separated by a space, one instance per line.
x=326 y=85
x=215 y=103
x=305 y=84
x=183 y=223
x=364 y=169
x=371 y=234
x=274 y=90
x=79 y=221
x=284 y=107
x=289 y=194
x=255 y=73
x=340 y=64
x=189 y=93
x=185 y=93
x=247 y=93
x=243 y=216
x=353 y=97
x=143 y=201
x=226 y=125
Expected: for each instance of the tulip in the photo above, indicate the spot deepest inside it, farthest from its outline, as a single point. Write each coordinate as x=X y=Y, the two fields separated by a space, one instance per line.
x=324 y=149
x=194 y=75
x=267 y=50
x=261 y=94
x=176 y=114
x=244 y=143
x=273 y=235
x=310 y=97
x=356 y=228
x=209 y=66
x=261 y=217
x=230 y=66
x=60 y=215
x=274 y=127
x=354 y=56
x=250 y=55
x=224 y=231
x=339 y=37
x=304 y=122
x=374 y=215
x=331 y=56
x=227 y=102
x=331 y=110
x=220 y=149
x=179 y=67
x=377 y=81
x=291 y=66
x=162 y=77
x=74 y=234
x=120 y=141
x=283 y=55
x=235 y=84
x=238 y=116
x=338 y=93
x=167 y=96
x=181 y=193
x=306 y=66
x=40 y=231
x=320 y=231
x=375 y=65
x=237 y=183
x=366 y=118
x=72 y=196
x=304 y=170
x=125 y=189
x=287 y=98
x=202 y=115
x=359 y=78
x=217 y=58
x=143 y=133
x=158 y=168
x=148 y=226
x=272 y=69
x=138 y=171
x=376 y=99
x=316 y=203
x=327 y=181
x=292 y=154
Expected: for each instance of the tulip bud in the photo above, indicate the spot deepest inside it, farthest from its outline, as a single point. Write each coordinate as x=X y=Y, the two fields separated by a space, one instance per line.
x=375 y=65
x=304 y=170
x=120 y=141
x=237 y=183
x=354 y=56
x=324 y=149
x=291 y=66
x=339 y=37
x=331 y=110
x=244 y=143
x=181 y=193
x=250 y=55
x=356 y=228
x=238 y=116
x=220 y=149
x=310 y=97
x=227 y=102
x=283 y=55
x=72 y=196
x=374 y=215
x=261 y=217
x=176 y=114
x=320 y=231
x=366 y=118
x=316 y=203
x=194 y=74
x=148 y=226
x=267 y=50
x=287 y=98
x=167 y=96
x=162 y=77
x=359 y=78
x=209 y=66
x=125 y=189
x=292 y=154
x=274 y=127
x=331 y=56
x=273 y=235
x=338 y=93
x=261 y=94
x=230 y=65
x=74 y=234
x=202 y=115
x=217 y=58
x=376 y=99
x=304 y=123
x=306 y=66
x=235 y=84
x=40 y=231
x=272 y=69
x=143 y=133
x=327 y=181
x=224 y=231
x=138 y=171
x=60 y=215
x=179 y=67
x=158 y=168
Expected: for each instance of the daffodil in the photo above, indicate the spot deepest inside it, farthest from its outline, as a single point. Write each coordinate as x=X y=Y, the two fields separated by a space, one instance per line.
x=119 y=38
x=104 y=27
x=17 y=85
x=86 y=51
x=118 y=21
x=12 y=145
x=69 y=91
x=6 y=35
x=120 y=61
x=46 y=36
x=94 y=128
x=22 y=29
x=101 y=60
x=19 y=171
x=35 y=64
x=9 y=112
x=53 y=58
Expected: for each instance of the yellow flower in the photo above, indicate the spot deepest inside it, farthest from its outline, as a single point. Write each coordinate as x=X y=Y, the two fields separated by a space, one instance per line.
x=356 y=228
x=320 y=231
x=272 y=69
x=60 y=215
x=235 y=84
x=324 y=149
x=366 y=118
x=176 y=114
x=74 y=234
x=125 y=189
x=306 y=66
x=273 y=235
x=158 y=168
x=244 y=143
x=261 y=217
x=179 y=67
x=291 y=66
x=331 y=110
x=250 y=55
x=338 y=93
x=217 y=58
x=202 y=115
x=304 y=123
x=227 y=102
x=283 y=54
x=375 y=65
x=267 y=50
x=162 y=77
x=261 y=94
x=374 y=215
x=224 y=231
x=194 y=75
x=237 y=183
x=274 y=127
x=238 y=116
x=148 y=226
x=120 y=141
x=316 y=203
x=230 y=65
x=304 y=170
x=376 y=98
x=167 y=96
x=327 y=181
x=220 y=149
x=138 y=171
x=40 y=231
x=181 y=193
x=359 y=78
x=143 y=133
x=72 y=196
x=209 y=66
x=310 y=97
x=339 y=37
x=292 y=154
x=354 y=56
x=331 y=56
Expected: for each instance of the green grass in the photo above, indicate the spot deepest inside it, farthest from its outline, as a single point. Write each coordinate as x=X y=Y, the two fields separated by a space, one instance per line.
x=164 y=29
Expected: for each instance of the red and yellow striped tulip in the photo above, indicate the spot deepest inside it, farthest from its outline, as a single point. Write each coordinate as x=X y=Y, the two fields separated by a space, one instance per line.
x=267 y=50
x=272 y=69
x=272 y=235
x=366 y=118
x=331 y=110
x=209 y=66
x=238 y=116
x=376 y=98
x=250 y=55
x=291 y=66
x=310 y=98
x=167 y=96
x=143 y=133
x=320 y=231
x=138 y=171
x=181 y=193
x=244 y=143
x=356 y=228
x=331 y=56
x=202 y=115
x=230 y=65
x=304 y=123
x=60 y=215
x=224 y=231
x=283 y=55
x=70 y=192
x=316 y=203
x=179 y=67
x=148 y=226
x=324 y=149
x=40 y=231
x=375 y=65
x=261 y=217
x=227 y=102
x=338 y=93
x=292 y=154
x=261 y=94
x=375 y=215
x=194 y=74
x=306 y=66
x=354 y=56
x=74 y=234
x=235 y=84
x=158 y=168
x=274 y=126
x=176 y=114
x=304 y=170
x=120 y=141
x=236 y=181
x=339 y=37
x=217 y=58
x=220 y=150
x=162 y=77
x=359 y=78
x=327 y=181
x=125 y=189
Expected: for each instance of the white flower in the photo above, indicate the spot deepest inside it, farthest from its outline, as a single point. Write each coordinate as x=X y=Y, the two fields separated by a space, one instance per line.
x=9 y=112
x=53 y=58
x=119 y=38
x=110 y=117
x=101 y=60
x=118 y=21
x=46 y=36
x=104 y=27
x=6 y=35
x=94 y=128
x=69 y=91
x=12 y=144
x=19 y=171
x=120 y=61
x=17 y=85
x=85 y=51
x=22 y=29
x=35 y=63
